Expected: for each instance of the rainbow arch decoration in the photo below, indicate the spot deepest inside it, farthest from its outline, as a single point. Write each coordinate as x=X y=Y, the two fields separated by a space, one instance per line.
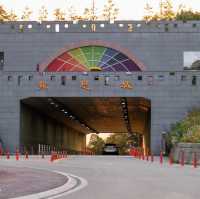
x=92 y=58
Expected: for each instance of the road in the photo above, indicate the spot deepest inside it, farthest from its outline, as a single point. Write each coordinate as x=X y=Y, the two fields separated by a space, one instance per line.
x=116 y=177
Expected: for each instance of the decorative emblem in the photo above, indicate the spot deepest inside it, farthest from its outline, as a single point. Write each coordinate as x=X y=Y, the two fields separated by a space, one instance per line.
x=85 y=85
x=42 y=85
x=126 y=85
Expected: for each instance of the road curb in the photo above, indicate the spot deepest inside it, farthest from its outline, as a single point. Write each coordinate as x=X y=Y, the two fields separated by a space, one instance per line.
x=74 y=183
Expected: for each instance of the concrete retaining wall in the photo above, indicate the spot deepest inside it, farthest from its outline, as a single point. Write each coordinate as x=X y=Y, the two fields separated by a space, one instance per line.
x=189 y=149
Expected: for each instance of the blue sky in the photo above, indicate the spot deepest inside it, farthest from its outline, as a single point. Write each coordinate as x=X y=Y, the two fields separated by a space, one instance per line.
x=129 y=9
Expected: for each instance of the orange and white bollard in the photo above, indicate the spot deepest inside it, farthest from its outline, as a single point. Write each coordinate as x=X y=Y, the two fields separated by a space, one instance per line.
x=7 y=155
x=52 y=157
x=26 y=155
x=142 y=155
x=161 y=157
x=182 y=158
x=170 y=159
x=1 y=152
x=17 y=154
x=194 y=162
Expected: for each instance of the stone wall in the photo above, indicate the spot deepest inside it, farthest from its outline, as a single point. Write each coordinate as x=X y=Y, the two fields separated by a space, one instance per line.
x=189 y=149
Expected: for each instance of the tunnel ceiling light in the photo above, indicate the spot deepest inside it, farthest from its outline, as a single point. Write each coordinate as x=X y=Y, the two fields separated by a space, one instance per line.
x=61 y=107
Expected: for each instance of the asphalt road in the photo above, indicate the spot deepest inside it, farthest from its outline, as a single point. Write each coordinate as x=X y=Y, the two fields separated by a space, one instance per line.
x=115 y=177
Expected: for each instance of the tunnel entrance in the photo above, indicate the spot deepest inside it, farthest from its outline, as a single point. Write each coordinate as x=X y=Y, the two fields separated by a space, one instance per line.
x=49 y=123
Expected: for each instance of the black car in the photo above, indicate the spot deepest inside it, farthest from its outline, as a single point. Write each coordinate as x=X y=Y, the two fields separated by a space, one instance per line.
x=110 y=149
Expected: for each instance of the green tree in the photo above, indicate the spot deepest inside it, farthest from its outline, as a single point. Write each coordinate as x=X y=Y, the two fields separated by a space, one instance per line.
x=187 y=130
x=110 y=11
x=187 y=15
x=96 y=144
x=121 y=140
x=43 y=14
x=26 y=15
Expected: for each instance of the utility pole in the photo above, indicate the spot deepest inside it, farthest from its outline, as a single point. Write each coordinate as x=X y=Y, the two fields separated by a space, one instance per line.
x=93 y=10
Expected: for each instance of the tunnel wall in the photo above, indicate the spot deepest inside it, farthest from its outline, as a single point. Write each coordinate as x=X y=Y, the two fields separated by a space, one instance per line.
x=37 y=128
x=171 y=98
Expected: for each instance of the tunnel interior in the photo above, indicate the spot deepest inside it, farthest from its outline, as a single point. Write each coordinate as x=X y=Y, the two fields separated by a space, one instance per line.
x=63 y=123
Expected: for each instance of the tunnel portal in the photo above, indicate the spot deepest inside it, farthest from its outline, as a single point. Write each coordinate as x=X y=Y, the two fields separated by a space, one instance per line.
x=63 y=123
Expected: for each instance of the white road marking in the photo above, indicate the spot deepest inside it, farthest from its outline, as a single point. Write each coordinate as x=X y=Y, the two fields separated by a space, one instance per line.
x=74 y=183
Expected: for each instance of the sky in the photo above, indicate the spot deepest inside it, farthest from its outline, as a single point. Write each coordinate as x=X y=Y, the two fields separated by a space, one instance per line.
x=129 y=9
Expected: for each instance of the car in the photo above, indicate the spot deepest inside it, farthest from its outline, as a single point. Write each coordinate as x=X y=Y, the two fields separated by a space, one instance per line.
x=110 y=149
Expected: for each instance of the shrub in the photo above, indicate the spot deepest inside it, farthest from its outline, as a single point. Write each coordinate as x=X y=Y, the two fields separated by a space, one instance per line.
x=187 y=130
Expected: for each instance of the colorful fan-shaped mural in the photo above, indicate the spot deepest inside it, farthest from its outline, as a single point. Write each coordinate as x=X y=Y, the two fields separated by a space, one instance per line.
x=92 y=58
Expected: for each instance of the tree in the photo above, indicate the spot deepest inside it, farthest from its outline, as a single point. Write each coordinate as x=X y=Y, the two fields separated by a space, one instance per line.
x=167 y=12
x=96 y=144
x=26 y=14
x=12 y=16
x=43 y=14
x=149 y=13
x=73 y=16
x=59 y=14
x=71 y=13
x=121 y=140
x=187 y=15
x=89 y=14
x=110 y=11
x=4 y=16
x=187 y=130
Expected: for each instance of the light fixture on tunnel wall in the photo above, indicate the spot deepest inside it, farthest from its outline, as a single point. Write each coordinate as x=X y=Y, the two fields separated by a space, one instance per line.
x=62 y=108
x=124 y=105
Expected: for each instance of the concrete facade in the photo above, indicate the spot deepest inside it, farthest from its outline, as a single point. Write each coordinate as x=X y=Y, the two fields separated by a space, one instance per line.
x=159 y=46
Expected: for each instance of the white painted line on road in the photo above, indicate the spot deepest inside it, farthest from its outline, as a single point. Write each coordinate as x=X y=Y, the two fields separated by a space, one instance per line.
x=74 y=183
x=83 y=184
